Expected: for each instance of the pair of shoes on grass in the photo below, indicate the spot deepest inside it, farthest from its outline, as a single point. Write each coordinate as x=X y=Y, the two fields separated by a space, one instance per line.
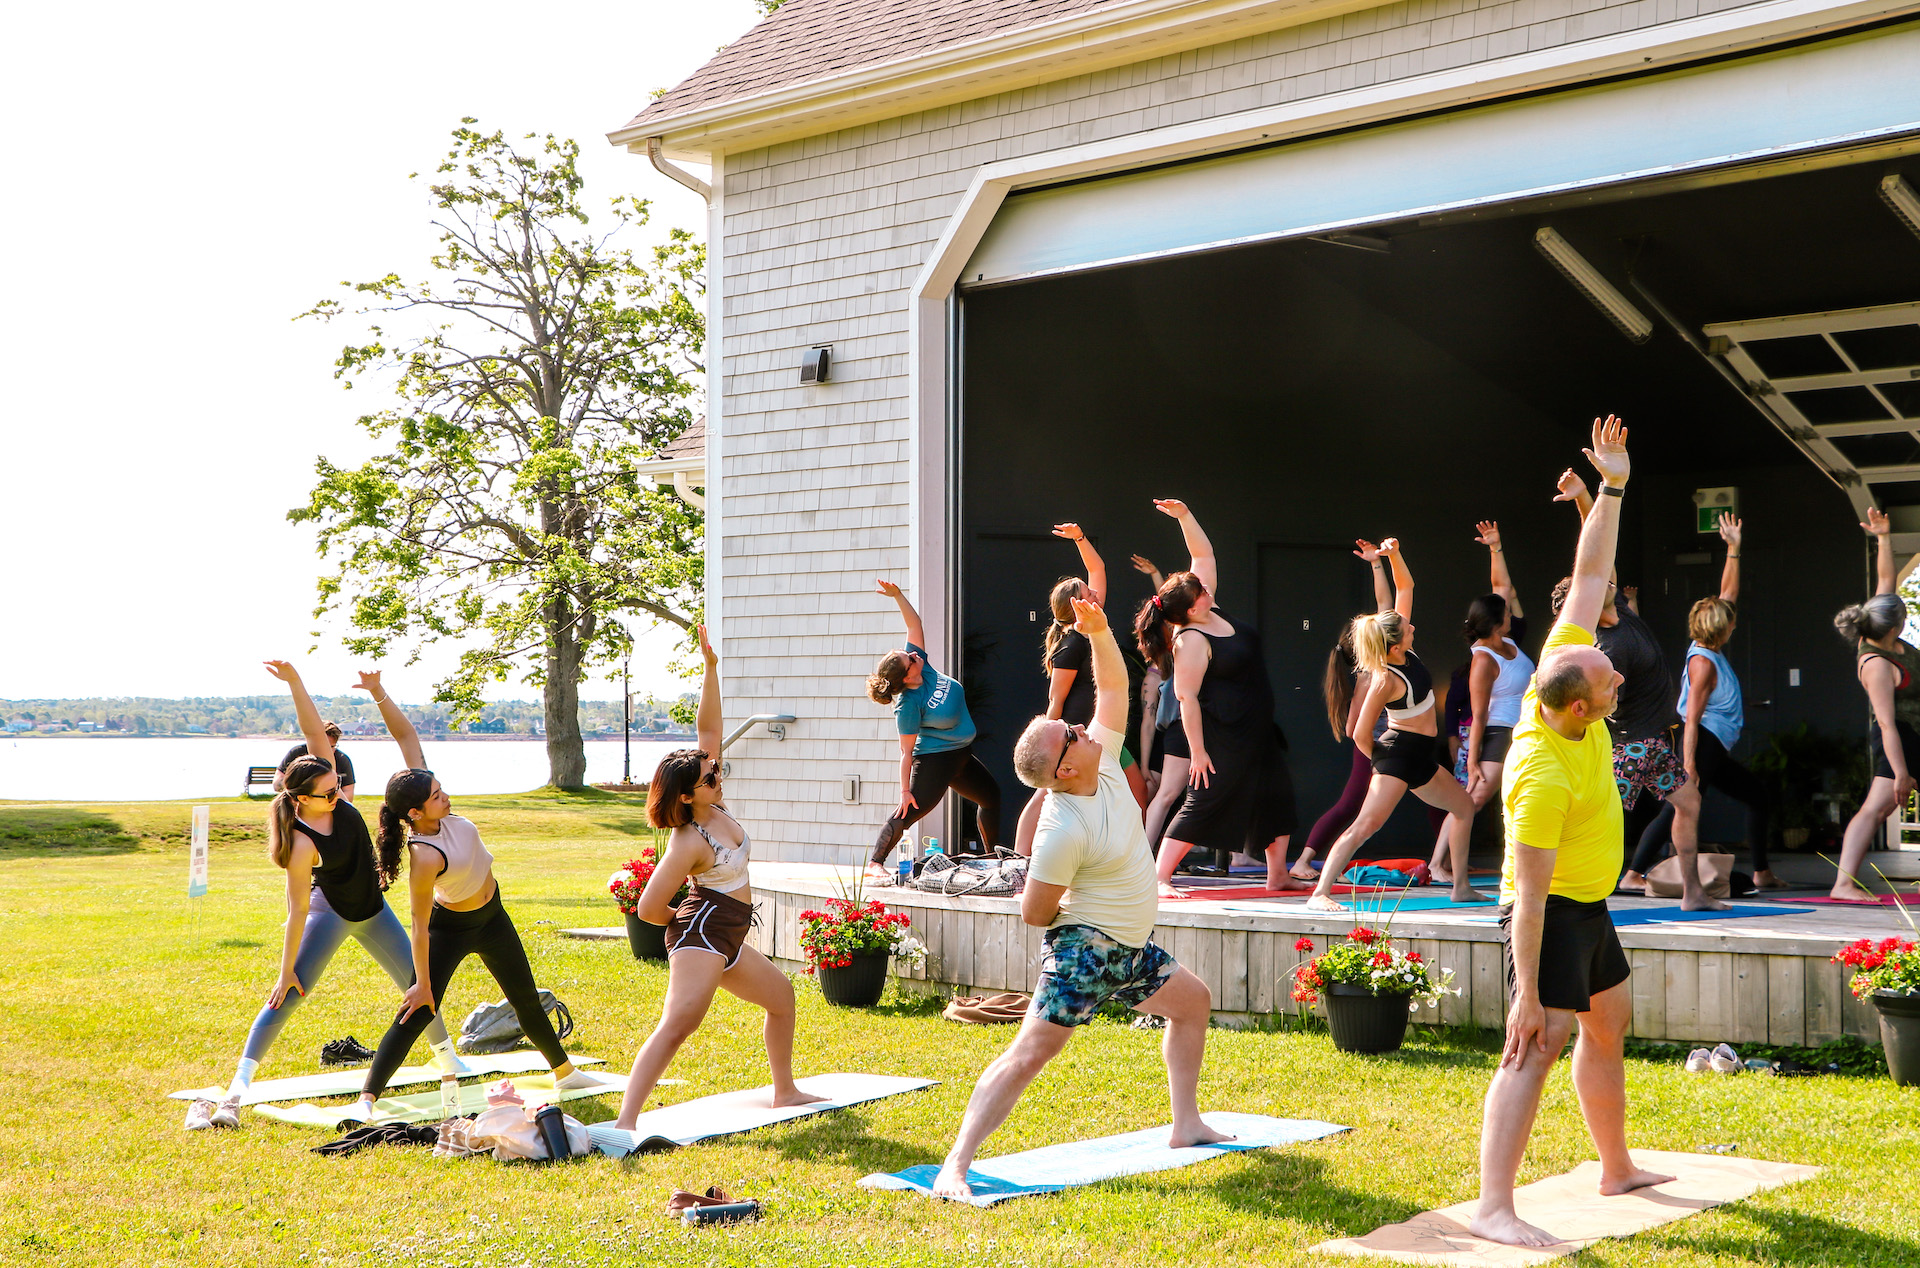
x=203 y=1114
x=1721 y=1060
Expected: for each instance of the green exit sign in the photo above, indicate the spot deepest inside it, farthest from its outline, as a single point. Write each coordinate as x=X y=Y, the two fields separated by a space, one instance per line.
x=1710 y=504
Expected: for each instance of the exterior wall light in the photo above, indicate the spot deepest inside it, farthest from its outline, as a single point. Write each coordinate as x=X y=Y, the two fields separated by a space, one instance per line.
x=817 y=365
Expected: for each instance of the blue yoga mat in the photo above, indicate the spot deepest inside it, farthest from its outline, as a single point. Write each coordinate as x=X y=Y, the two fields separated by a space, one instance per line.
x=1673 y=915
x=1080 y=1162
x=1412 y=902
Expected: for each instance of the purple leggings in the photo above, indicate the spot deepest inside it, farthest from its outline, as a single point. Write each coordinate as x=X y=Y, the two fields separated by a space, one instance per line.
x=1340 y=816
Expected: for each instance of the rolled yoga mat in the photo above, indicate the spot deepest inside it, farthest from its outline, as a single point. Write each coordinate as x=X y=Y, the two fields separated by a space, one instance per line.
x=733 y=1112
x=346 y=1082
x=424 y=1107
x=1081 y=1162
x=1569 y=1206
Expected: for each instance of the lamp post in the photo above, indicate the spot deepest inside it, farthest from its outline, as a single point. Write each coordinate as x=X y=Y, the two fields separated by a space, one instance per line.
x=626 y=720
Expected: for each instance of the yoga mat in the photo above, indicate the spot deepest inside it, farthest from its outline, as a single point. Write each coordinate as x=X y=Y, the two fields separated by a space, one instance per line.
x=1080 y=1162
x=424 y=1107
x=1414 y=902
x=1568 y=1206
x=347 y=1082
x=1885 y=900
x=1673 y=915
x=1225 y=893
x=733 y=1112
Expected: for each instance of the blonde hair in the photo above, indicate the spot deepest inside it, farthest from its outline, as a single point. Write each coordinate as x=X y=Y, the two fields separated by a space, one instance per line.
x=887 y=678
x=1710 y=622
x=1375 y=635
x=1065 y=591
x=1034 y=760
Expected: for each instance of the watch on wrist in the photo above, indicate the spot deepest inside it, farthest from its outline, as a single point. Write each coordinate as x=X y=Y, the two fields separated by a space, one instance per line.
x=1613 y=490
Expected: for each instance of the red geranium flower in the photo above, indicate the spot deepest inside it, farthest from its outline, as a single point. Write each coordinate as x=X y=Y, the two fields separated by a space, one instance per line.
x=1304 y=944
x=1363 y=935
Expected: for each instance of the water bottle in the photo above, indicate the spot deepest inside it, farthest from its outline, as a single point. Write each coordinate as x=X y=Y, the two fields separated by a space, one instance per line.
x=933 y=847
x=906 y=870
x=449 y=1096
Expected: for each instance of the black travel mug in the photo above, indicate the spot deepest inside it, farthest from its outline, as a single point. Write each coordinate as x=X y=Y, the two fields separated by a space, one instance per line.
x=730 y=1213
x=552 y=1121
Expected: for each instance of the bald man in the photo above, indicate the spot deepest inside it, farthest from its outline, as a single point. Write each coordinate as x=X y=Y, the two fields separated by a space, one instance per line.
x=1563 y=854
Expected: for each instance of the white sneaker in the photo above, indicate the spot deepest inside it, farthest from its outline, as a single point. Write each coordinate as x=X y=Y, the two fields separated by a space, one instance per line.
x=227 y=1114
x=355 y=1115
x=449 y=1062
x=1699 y=1061
x=200 y=1116
x=1725 y=1060
x=583 y=1078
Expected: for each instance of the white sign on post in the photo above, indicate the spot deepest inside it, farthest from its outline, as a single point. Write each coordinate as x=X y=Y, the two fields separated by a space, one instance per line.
x=197 y=853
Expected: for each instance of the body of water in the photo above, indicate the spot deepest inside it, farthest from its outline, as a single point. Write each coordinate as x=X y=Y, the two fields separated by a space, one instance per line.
x=102 y=768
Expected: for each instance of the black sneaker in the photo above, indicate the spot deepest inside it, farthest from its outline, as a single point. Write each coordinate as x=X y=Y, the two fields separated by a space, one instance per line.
x=348 y=1051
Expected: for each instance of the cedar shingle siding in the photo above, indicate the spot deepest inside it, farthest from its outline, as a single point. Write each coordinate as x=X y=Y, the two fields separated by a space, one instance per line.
x=822 y=239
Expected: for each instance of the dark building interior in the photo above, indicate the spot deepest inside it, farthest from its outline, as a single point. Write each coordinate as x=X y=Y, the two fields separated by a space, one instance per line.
x=1300 y=394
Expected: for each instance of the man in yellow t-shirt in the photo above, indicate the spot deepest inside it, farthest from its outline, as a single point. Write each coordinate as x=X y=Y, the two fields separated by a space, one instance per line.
x=1563 y=856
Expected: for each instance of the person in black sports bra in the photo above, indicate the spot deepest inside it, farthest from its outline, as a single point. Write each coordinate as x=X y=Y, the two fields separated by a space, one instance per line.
x=1889 y=668
x=1406 y=755
x=1239 y=791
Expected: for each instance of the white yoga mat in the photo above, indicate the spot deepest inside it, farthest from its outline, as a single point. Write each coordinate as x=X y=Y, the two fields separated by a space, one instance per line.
x=346 y=1082
x=732 y=1112
x=1079 y=1162
x=423 y=1107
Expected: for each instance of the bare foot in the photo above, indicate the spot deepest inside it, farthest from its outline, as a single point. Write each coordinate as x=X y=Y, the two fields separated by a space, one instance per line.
x=1509 y=1229
x=1170 y=891
x=952 y=1182
x=1321 y=902
x=1199 y=1134
x=1631 y=882
x=1437 y=877
x=1635 y=1179
x=875 y=872
x=796 y=1097
x=1703 y=903
x=1287 y=883
x=1465 y=894
x=1301 y=872
x=1767 y=880
x=1848 y=892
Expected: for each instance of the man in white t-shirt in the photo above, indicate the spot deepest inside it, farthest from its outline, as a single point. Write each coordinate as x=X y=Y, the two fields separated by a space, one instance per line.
x=1091 y=886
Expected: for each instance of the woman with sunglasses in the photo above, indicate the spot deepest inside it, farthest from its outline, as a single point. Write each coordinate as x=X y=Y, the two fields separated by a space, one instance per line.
x=334 y=893
x=706 y=934
x=1239 y=791
x=936 y=738
x=456 y=908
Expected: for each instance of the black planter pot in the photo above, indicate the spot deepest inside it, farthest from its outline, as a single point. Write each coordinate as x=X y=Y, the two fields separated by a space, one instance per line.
x=1364 y=1022
x=1900 y=1032
x=649 y=942
x=860 y=984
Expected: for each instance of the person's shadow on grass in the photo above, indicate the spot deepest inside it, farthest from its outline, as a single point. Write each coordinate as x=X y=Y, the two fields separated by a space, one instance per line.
x=1791 y=1238
x=46 y=832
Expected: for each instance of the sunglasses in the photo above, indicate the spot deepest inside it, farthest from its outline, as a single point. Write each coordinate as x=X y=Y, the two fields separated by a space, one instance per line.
x=711 y=779
x=1074 y=732
x=331 y=794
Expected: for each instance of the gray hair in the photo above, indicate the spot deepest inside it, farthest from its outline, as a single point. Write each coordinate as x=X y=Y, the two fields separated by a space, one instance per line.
x=1875 y=619
x=1034 y=756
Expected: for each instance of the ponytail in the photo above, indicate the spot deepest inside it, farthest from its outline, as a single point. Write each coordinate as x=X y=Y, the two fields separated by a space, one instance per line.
x=1065 y=591
x=1172 y=605
x=1873 y=620
x=1375 y=635
x=885 y=682
x=299 y=780
x=1336 y=685
x=407 y=791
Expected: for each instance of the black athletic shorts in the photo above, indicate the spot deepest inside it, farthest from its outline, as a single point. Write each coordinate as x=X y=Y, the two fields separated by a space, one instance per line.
x=1174 y=741
x=1909 y=743
x=1407 y=755
x=1494 y=743
x=1580 y=953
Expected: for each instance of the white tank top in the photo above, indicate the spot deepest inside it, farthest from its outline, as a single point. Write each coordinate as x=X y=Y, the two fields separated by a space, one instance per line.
x=468 y=861
x=1509 y=685
x=729 y=870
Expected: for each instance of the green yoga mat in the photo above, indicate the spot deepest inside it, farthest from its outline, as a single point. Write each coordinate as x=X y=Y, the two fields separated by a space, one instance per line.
x=423 y=1107
x=1412 y=902
x=348 y=1082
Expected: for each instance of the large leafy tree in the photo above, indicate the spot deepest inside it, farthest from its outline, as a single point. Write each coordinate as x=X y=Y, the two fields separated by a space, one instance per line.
x=534 y=367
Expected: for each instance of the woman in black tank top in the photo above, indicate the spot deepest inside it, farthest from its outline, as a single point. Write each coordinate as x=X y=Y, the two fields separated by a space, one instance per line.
x=1407 y=754
x=1239 y=791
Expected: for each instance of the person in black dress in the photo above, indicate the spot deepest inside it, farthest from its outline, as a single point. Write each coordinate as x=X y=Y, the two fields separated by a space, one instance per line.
x=1239 y=791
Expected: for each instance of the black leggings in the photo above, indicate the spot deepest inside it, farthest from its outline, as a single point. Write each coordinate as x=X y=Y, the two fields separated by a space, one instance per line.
x=1717 y=769
x=452 y=936
x=933 y=775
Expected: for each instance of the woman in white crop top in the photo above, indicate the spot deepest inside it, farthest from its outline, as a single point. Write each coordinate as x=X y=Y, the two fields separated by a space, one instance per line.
x=456 y=912
x=707 y=932
x=1405 y=756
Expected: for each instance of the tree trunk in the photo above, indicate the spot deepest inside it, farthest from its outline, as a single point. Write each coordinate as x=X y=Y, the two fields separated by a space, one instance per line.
x=566 y=754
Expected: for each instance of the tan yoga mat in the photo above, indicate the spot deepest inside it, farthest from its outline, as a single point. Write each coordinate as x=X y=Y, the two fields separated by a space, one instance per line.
x=1570 y=1207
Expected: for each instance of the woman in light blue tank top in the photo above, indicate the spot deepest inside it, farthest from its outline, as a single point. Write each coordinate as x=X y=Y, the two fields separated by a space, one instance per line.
x=1711 y=719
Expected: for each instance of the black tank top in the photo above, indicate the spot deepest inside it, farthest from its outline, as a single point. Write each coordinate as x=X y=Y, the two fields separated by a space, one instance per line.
x=1236 y=685
x=1415 y=678
x=346 y=874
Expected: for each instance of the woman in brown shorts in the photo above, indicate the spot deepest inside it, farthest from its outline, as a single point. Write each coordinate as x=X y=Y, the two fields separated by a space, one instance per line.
x=707 y=932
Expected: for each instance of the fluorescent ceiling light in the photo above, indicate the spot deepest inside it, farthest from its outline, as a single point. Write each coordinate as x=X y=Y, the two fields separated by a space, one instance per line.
x=1900 y=197
x=1630 y=321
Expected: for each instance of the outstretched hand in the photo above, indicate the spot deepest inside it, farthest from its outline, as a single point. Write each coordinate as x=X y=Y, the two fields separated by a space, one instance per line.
x=1609 y=452
x=1729 y=530
x=1366 y=550
x=1088 y=618
x=1390 y=546
x=707 y=653
x=370 y=683
x=1572 y=487
x=1877 y=522
x=1488 y=534
x=1171 y=506
x=1142 y=564
x=283 y=670
x=887 y=588
x=1072 y=532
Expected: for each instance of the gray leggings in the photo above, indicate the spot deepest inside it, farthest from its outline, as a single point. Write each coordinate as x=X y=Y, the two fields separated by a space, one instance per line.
x=385 y=940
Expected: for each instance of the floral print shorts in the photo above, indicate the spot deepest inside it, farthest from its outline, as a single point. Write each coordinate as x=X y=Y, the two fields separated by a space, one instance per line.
x=1650 y=765
x=1084 y=968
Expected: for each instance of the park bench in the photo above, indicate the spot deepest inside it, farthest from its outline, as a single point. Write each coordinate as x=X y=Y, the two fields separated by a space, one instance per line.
x=259 y=775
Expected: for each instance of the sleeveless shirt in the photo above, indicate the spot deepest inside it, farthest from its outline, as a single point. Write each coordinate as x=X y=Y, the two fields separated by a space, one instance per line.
x=729 y=870
x=468 y=860
x=346 y=874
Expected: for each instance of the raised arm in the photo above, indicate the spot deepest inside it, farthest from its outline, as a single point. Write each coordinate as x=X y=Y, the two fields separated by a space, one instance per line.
x=398 y=725
x=1089 y=559
x=1382 y=592
x=1573 y=489
x=1730 y=571
x=916 y=632
x=312 y=729
x=1488 y=535
x=1600 y=533
x=707 y=726
x=1202 y=565
x=1402 y=577
x=1886 y=576
x=1142 y=564
x=1112 y=692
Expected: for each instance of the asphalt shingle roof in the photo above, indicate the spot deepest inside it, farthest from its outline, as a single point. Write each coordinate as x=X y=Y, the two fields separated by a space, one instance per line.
x=807 y=40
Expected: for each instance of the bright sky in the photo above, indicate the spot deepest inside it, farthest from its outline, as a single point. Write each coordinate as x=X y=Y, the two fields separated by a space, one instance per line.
x=186 y=178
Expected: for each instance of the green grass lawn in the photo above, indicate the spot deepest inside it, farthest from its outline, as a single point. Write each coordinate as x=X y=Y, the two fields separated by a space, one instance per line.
x=115 y=990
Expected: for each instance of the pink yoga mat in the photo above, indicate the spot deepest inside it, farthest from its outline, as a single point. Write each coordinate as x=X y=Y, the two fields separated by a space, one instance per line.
x=1885 y=900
